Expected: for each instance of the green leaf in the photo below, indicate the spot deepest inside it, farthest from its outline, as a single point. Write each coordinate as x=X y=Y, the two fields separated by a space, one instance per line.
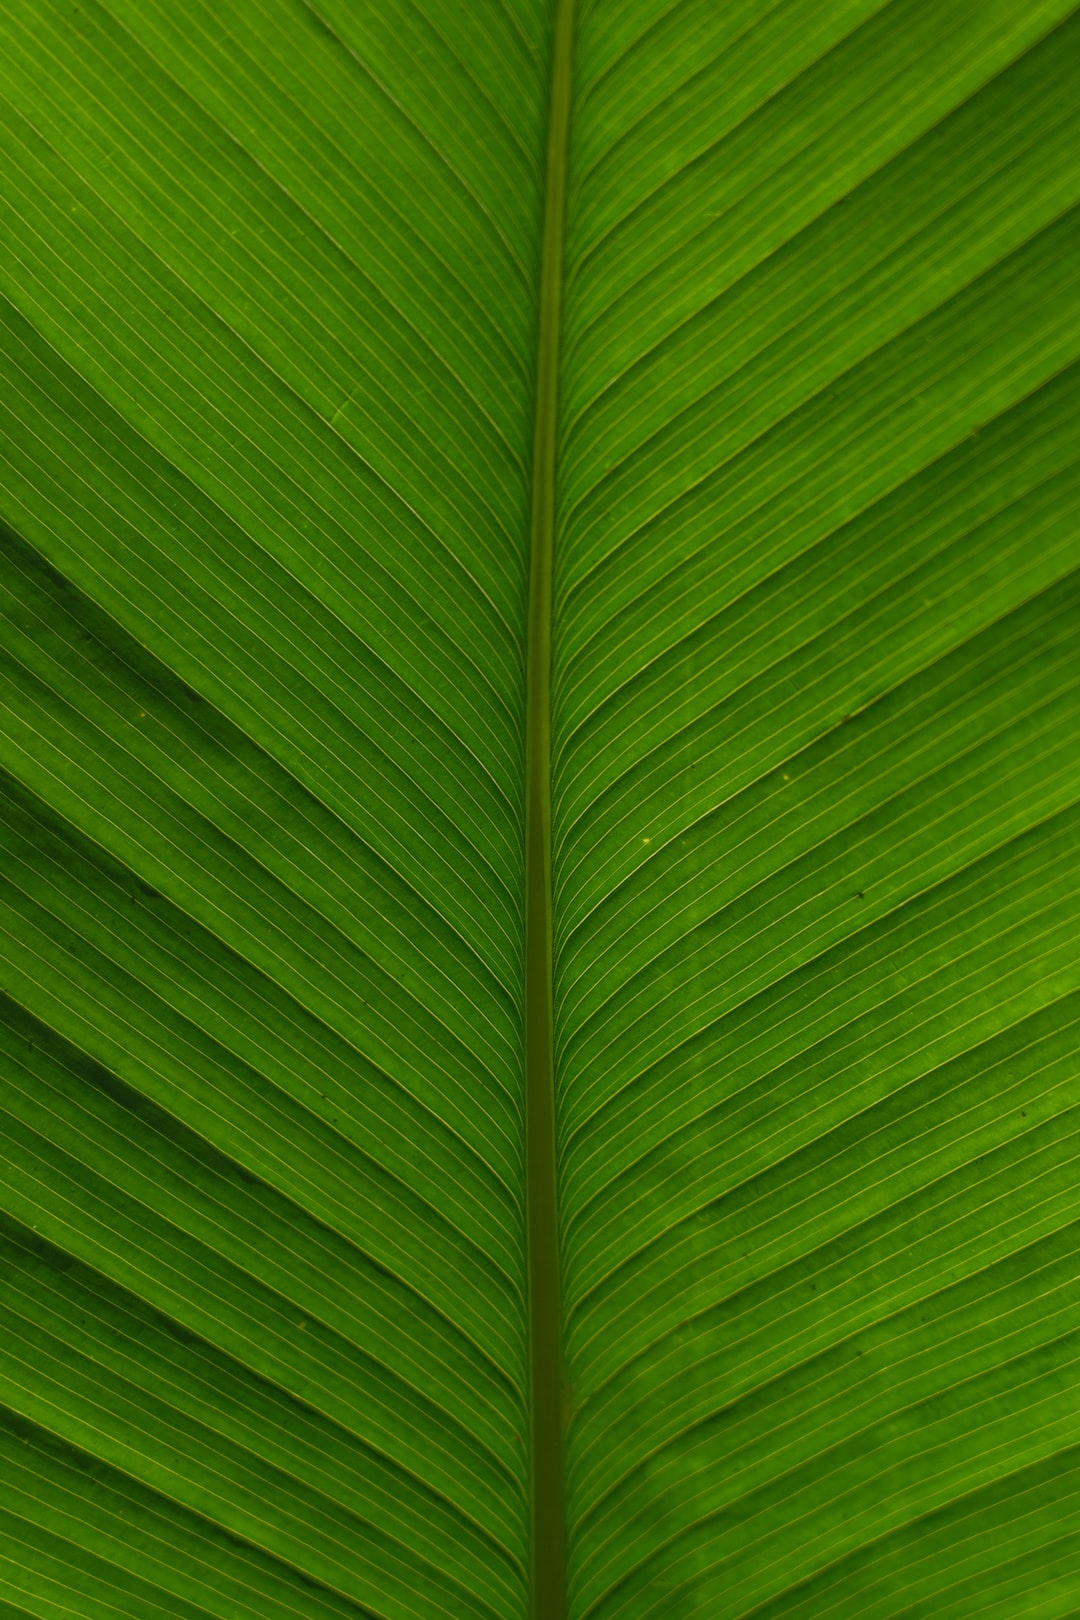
x=540 y=809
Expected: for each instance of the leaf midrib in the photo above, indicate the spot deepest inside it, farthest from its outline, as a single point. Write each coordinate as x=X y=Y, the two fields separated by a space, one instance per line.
x=548 y=1532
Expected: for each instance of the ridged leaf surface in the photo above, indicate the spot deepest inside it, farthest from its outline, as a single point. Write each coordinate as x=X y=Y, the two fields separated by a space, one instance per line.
x=271 y=295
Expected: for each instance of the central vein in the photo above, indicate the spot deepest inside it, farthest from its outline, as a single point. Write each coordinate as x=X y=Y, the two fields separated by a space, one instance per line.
x=545 y=1317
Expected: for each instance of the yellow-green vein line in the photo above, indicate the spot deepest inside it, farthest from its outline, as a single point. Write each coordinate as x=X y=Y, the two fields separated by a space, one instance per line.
x=548 y=1529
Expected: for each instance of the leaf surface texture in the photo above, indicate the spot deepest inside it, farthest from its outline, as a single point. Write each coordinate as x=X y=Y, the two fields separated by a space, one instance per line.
x=268 y=329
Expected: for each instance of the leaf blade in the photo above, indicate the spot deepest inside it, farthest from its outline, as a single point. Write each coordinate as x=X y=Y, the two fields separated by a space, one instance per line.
x=265 y=480
x=790 y=909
